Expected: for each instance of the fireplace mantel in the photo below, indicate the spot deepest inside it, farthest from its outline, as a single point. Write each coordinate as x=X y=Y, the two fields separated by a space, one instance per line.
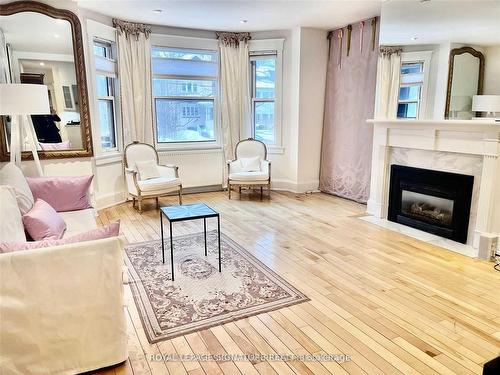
x=460 y=138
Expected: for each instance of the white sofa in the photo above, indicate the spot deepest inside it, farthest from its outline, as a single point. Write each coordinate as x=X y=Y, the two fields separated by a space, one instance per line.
x=62 y=308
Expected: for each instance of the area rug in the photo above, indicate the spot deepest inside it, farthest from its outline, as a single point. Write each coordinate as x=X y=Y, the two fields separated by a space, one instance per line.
x=201 y=296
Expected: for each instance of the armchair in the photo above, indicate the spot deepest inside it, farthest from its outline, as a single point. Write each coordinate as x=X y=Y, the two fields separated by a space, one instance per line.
x=166 y=183
x=250 y=166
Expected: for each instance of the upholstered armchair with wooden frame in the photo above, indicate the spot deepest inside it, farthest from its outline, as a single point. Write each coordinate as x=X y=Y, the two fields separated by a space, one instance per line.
x=250 y=167
x=165 y=182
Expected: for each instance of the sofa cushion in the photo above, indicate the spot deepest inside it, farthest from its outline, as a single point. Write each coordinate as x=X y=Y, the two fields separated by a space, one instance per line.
x=63 y=193
x=78 y=221
x=158 y=183
x=11 y=223
x=147 y=169
x=43 y=222
x=12 y=175
x=249 y=176
x=110 y=230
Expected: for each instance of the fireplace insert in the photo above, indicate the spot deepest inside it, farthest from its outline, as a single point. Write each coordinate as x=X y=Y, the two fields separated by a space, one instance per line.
x=433 y=201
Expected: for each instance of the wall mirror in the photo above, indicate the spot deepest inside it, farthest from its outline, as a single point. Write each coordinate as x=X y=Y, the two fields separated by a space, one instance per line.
x=42 y=45
x=465 y=79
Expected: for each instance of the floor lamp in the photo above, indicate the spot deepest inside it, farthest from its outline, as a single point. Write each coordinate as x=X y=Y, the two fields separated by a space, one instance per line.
x=20 y=101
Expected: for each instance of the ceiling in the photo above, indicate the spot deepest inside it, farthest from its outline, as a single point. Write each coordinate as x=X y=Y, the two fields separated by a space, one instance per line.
x=35 y=32
x=227 y=15
x=466 y=22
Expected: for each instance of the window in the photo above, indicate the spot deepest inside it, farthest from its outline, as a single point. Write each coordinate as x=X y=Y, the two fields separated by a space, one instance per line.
x=106 y=92
x=413 y=84
x=263 y=71
x=410 y=90
x=184 y=93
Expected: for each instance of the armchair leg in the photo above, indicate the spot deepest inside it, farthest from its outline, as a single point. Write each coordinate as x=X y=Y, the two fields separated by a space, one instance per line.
x=229 y=189
x=139 y=202
x=157 y=202
x=269 y=189
x=180 y=195
x=133 y=202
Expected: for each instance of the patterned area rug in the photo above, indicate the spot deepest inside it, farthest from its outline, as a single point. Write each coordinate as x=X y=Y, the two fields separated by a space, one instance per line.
x=201 y=297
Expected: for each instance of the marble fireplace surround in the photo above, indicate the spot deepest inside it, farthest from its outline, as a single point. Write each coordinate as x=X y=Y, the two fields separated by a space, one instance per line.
x=458 y=146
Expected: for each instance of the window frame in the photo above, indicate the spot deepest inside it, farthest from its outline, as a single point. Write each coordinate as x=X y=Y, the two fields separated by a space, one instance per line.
x=100 y=33
x=111 y=83
x=424 y=58
x=191 y=44
x=258 y=48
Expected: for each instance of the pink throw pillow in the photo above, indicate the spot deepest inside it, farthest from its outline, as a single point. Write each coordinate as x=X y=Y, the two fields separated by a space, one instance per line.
x=43 y=222
x=62 y=193
x=110 y=230
x=66 y=145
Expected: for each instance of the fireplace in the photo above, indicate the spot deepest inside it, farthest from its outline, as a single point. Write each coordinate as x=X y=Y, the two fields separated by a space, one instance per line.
x=432 y=201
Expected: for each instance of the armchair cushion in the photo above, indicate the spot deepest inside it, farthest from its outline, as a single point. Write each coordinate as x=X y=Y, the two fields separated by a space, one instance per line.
x=249 y=176
x=250 y=164
x=158 y=183
x=147 y=169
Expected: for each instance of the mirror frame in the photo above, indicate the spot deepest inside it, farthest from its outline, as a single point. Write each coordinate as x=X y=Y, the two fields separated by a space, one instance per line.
x=81 y=81
x=460 y=51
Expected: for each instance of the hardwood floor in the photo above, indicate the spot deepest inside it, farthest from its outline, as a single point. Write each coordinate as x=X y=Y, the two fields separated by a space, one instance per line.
x=394 y=304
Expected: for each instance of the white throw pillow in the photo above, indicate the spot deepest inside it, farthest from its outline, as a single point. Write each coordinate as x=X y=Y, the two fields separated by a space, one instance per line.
x=250 y=164
x=12 y=175
x=11 y=221
x=147 y=169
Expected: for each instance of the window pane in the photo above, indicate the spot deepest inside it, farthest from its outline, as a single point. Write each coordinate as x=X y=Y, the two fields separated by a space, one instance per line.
x=99 y=50
x=190 y=68
x=411 y=68
x=407 y=110
x=409 y=93
x=179 y=120
x=183 y=54
x=183 y=87
x=265 y=78
x=103 y=86
x=264 y=122
x=106 y=119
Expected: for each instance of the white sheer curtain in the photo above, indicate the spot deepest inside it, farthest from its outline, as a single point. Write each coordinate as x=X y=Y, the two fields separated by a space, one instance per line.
x=235 y=91
x=134 y=69
x=388 y=73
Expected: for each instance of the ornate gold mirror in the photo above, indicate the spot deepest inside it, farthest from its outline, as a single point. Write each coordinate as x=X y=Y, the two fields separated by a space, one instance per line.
x=43 y=45
x=465 y=79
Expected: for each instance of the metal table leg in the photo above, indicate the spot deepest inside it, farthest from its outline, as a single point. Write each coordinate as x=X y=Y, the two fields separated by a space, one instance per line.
x=205 y=231
x=171 y=250
x=162 y=244
x=218 y=239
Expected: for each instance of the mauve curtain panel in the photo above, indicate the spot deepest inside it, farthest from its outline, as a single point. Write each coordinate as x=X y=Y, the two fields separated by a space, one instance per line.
x=349 y=102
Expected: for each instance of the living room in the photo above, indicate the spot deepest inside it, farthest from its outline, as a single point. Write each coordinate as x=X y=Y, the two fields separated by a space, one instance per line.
x=195 y=187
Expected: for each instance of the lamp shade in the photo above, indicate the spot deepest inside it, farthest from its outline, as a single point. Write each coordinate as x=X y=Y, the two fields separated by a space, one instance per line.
x=24 y=99
x=486 y=103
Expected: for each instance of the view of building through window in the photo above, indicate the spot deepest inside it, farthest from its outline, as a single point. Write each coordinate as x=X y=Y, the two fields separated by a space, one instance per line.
x=184 y=91
x=263 y=97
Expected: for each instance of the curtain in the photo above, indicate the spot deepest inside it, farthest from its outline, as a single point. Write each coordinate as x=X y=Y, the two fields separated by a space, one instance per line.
x=388 y=73
x=134 y=69
x=235 y=88
x=4 y=60
x=349 y=102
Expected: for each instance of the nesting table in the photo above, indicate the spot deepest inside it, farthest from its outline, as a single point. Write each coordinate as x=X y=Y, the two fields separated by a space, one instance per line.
x=187 y=212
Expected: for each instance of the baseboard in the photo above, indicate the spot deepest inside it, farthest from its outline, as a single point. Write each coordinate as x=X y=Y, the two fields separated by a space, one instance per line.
x=294 y=187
